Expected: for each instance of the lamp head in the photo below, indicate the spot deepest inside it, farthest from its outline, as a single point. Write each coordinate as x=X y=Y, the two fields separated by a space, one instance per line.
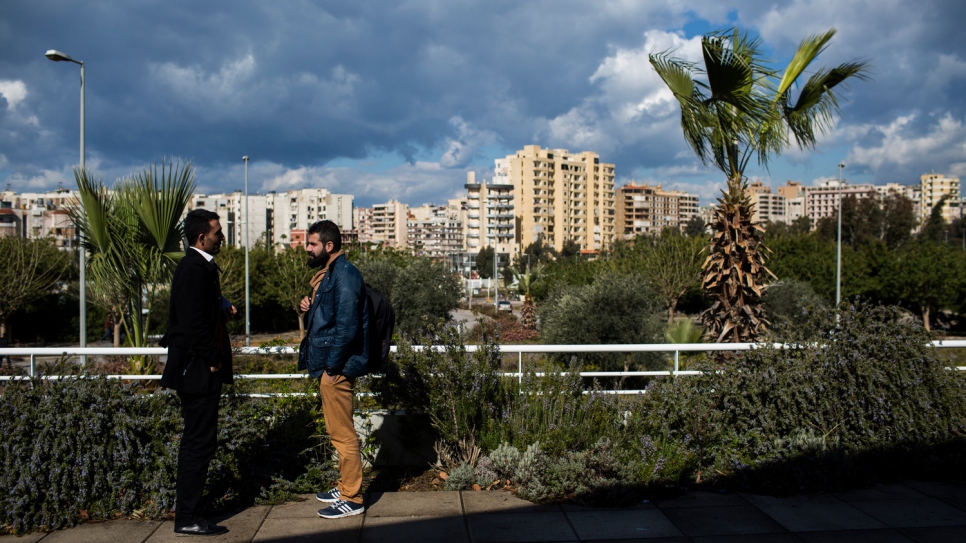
x=57 y=56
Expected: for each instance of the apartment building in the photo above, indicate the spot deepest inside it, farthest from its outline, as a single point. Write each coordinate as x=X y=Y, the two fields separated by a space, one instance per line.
x=280 y=218
x=362 y=220
x=389 y=223
x=768 y=207
x=561 y=196
x=934 y=187
x=794 y=194
x=39 y=215
x=822 y=201
x=646 y=210
x=490 y=220
x=434 y=231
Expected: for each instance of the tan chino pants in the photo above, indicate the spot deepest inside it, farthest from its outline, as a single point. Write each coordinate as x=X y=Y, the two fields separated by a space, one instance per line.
x=337 y=410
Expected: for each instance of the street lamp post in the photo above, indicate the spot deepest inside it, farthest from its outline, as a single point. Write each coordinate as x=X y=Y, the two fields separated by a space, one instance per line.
x=58 y=56
x=248 y=320
x=838 y=258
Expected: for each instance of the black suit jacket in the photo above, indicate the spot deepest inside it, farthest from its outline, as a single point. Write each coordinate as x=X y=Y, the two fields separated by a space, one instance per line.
x=195 y=322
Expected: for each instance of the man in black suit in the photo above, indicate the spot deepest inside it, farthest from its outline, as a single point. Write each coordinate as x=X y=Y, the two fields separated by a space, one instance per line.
x=199 y=363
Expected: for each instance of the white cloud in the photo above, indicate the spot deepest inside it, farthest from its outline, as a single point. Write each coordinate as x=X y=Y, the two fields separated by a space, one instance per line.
x=417 y=183
x=633 y=106
x=13 y=91
x=943 y=144
x=460 y=151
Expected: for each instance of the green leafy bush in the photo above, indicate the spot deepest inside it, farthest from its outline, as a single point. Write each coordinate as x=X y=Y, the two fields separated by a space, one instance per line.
x=859 y=400
x=614 y=308
x=88 y=447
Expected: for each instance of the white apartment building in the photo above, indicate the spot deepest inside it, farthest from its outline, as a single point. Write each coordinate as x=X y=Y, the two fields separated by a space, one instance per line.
x=362 y=219
x=645 y=210
x=934 y=187
x=434 y=231
x=39 y=215
x=489 y=217
x=823 y=200
x=794 y=194
x=281 y=218
x=389 y=223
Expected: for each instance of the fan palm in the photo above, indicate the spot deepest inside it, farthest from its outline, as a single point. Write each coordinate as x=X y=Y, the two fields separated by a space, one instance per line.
x=525 y=283
x=134 y=235
x=741 y=109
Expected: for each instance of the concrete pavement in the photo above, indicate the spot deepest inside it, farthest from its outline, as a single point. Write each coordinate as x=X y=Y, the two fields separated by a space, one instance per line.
x=914 y=511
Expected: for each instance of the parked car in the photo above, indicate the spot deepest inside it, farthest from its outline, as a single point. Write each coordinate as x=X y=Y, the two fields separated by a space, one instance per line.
x=503 y=305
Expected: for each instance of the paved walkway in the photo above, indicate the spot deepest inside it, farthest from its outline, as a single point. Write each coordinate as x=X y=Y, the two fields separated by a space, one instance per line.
x=915 y=511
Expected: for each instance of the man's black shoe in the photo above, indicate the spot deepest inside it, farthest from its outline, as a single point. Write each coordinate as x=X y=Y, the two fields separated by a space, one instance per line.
x=200 y=528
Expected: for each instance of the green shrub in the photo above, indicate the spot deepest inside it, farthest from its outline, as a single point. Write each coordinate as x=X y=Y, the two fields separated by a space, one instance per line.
x=458 y=390
x=860 y=400
x=614 y=308
x=88 y=447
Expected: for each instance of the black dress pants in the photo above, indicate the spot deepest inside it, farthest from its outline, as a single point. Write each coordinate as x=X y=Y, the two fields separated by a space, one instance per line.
x=198 y=441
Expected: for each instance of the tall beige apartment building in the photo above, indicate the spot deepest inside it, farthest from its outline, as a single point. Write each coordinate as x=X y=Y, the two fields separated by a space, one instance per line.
x=643 y=210
x=934 y=187
x=561 y=196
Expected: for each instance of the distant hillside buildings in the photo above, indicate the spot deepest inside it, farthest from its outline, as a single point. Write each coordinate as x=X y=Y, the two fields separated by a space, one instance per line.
x=552 y=196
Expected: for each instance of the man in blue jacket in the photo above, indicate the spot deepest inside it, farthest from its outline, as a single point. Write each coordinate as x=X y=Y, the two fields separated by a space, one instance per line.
x=336 y=353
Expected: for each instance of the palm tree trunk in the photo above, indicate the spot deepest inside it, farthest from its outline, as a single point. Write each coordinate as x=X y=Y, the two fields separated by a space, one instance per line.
x=925 y=317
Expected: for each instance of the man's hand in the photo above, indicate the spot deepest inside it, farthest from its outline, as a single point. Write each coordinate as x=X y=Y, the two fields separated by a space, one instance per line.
x=305 y=304
x=330 y=378
x=232 y=311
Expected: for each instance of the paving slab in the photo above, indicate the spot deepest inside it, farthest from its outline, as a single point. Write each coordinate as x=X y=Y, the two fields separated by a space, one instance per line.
x=33 y=537
x=813 y=513
x=307 y=508
x=114 y=531
x=938 y=490
x=242 y=527
x=423 y=529
x=702 y=499
x=731 y=520
x=626 y=524
x=855 y=536
x=501 y=501
x=536 y=526
x=305 y=530
x=754 y=538
x=413 y=504
x=893 y=491
x=916 y=513
x=936 y=535
x=645 y=504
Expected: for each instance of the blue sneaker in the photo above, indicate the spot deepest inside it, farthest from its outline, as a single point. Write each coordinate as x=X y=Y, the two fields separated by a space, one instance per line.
x=331 y=496
x=341 y=509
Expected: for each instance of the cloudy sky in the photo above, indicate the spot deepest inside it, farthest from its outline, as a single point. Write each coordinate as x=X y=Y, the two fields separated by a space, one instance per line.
x=399 y=100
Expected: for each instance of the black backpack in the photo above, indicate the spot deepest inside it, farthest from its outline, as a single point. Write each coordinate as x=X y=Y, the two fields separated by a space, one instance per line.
x=382 y=322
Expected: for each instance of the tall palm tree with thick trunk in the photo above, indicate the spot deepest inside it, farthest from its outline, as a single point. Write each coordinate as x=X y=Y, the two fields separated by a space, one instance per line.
x=735 y=107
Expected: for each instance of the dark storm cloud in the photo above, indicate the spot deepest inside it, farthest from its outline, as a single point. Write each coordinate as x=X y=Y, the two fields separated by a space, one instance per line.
x=296 y=84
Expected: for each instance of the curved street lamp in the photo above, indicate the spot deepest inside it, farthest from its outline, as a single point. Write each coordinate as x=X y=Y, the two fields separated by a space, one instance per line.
x=58 y=56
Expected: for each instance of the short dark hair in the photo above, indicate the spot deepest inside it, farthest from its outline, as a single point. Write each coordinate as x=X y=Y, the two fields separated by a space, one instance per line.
x=196 y=223
x=327 y=231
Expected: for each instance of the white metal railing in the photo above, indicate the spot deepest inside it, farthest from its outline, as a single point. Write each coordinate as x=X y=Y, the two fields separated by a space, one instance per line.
x=520 y=350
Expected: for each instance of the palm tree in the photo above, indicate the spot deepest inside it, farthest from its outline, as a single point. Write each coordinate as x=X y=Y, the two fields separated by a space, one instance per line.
x=134 y=237
x=743 y=108
x=525 y=282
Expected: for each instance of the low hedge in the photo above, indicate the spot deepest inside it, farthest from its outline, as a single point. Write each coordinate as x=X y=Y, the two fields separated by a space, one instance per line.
x=89 y=448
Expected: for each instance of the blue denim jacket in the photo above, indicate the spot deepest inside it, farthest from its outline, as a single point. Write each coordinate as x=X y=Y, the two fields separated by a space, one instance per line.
x=338 y=324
